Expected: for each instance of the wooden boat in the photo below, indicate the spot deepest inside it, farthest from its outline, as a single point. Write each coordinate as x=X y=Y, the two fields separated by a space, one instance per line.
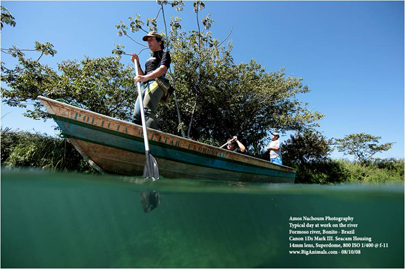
x=116 y=146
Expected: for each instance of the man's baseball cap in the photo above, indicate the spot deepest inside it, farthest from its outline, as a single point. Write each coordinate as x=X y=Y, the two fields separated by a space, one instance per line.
x=152 y=34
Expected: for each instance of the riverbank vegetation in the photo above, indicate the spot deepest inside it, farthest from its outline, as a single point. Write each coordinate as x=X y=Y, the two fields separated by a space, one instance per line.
x=345 y=171
x=309 y=152
x=24 y=149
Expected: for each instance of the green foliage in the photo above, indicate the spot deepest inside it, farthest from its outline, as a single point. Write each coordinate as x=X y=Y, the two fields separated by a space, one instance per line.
x=24 y=149
x=101 y=85
x=389 y=164
x=305 y=147
x=321 y=172
x=218 y=98
x=362 y=146
x=343 y=171
x=390 y=170
x=6 y=17
x=43 y=48
x=309 y=152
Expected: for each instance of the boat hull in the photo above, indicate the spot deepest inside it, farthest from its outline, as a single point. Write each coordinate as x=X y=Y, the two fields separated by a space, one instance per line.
x=116 y=146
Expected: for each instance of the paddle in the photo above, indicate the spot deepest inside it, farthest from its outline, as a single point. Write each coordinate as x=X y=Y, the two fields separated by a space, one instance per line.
x=151 y=169
x=226 y=143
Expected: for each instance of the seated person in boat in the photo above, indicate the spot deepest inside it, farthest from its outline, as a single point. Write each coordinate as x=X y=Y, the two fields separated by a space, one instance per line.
x=235 y=145
x=155 y=69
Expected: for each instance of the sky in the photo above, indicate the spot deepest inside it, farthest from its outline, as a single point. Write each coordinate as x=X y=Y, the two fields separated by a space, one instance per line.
x=350 y=53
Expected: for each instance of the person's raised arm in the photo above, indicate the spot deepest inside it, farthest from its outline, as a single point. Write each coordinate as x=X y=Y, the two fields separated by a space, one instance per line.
x=240 y=145
x=133 y=57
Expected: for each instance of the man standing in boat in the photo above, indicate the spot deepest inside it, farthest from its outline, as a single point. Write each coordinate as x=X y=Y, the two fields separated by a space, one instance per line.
x=232 y=143
x=275 y=149
x=154 y=85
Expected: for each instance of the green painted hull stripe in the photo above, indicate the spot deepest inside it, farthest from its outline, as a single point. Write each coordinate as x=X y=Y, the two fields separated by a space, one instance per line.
x=59 y=119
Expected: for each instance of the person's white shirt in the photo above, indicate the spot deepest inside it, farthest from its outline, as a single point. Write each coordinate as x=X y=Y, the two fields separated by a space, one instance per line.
x=275 y=153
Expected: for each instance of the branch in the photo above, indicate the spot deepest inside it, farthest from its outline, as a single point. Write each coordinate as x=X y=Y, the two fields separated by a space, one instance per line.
x=170 y=70
x=164 y=20
x=135 y=40
x=226 y=37
x=199 y=32
x=9 y=51
x=40 y=56
x=191 y=120
x=161 y=8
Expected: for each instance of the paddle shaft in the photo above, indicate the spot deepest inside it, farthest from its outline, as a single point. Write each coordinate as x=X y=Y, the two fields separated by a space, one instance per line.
x=226 y=143
x=145 y=132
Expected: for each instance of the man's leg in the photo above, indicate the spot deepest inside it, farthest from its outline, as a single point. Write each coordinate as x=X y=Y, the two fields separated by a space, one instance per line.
x=152 y=98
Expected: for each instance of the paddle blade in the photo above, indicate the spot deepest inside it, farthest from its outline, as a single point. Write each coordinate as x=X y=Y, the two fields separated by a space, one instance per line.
x=150 y=200
x=151 y=169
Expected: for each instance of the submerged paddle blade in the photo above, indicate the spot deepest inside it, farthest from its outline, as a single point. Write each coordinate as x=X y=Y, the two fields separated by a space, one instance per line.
x=150 y=200
x=151 y=169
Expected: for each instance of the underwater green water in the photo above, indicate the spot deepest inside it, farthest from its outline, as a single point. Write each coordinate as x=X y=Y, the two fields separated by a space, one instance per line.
x=75 y=220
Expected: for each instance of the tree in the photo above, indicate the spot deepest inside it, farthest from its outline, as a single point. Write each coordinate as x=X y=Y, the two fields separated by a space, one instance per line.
x=102 y=85
x=6 y=17
x=216 y=97
x=362 y=146
x=44 y=48
x=308 y=146
x=308 y=152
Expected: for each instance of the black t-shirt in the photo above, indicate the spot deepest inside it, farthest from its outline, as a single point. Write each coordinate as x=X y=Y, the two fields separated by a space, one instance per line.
x=159 y=58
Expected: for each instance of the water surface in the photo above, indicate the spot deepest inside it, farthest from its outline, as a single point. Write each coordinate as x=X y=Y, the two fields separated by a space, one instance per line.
x=75 y=220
